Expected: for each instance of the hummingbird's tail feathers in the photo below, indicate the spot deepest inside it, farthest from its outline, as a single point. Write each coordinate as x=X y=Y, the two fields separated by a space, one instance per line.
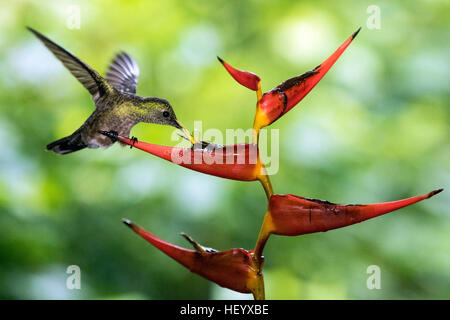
x=123 y=73
x=89 y=78
x=68 y=144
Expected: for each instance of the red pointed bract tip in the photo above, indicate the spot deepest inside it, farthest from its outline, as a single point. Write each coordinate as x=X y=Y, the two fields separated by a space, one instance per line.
x=236 y=162
x=245 y=78
x=232 y=269
x=294 y=215
x=284 y=97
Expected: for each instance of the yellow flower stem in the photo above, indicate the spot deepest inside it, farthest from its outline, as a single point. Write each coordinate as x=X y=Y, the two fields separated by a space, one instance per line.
x=264 y=234
x=258 y=292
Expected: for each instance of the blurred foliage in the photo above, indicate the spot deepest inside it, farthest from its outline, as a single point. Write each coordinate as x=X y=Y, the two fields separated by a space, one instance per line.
x=376 y=128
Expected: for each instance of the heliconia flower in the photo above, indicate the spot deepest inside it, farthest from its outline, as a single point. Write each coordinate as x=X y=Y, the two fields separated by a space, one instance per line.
x=275 y=103
x=233 y=269
x=247 y=79
x=284 y=97
x=236 y=162
x=291 y=215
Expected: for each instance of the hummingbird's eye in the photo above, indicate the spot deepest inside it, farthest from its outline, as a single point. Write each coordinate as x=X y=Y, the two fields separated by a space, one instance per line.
x=166 y=114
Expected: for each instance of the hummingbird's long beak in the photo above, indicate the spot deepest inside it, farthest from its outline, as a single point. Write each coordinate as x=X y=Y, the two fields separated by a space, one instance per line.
x=186 y=132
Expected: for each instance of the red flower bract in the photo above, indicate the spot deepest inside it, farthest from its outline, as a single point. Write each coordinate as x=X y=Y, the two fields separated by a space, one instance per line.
x=236 y=162
x=284 y=97
x=245 y=78
x=233 y=269
x=291 y=215
x=294 y=215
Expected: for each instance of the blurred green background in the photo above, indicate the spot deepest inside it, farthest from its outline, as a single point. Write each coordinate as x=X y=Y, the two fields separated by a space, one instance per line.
x=376 y=128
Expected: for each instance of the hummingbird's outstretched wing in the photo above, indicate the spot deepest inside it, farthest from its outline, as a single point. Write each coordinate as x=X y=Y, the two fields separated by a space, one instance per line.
x=123 y=73
x=89 y=78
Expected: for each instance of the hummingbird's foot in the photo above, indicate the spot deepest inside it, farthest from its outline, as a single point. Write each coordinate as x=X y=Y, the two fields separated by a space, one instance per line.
x=110 y=134
x=134 y=139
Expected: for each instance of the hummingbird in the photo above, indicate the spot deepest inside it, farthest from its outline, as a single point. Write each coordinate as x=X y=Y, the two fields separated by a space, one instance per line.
x=117 y=106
